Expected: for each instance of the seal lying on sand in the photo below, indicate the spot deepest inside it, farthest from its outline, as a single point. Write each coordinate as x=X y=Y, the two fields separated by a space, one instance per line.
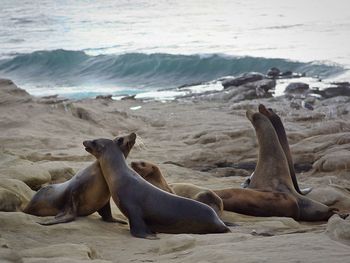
x=259 y=203
x=148 y=208
x=152 y=174
x=272 y=171
x=85 y=193
x=282 y=137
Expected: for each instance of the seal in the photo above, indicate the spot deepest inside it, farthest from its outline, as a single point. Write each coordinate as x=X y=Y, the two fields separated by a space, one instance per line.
x=148 y=208
x=272 y=171
x=152 y=174
x=282 y=137
x=85 y=193
x=259 y=203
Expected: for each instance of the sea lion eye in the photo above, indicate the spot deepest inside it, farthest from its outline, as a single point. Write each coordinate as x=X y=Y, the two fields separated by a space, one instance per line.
x=143 y=164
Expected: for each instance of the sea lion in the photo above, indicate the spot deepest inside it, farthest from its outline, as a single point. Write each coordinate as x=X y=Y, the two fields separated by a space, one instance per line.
x=148 y=208
x=152 y=174
x=272 y=170
x=259 y=203
x=85 y=193
x=282 y=137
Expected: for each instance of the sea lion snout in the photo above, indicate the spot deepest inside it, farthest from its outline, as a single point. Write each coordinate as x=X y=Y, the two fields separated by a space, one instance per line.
x=250 y=114
x=88 y=146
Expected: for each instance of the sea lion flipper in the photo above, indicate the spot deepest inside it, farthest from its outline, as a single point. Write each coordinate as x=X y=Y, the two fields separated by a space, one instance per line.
x=106 y=214
x=68 y=214
x=305 y=191
x=60 y=218
x=138 y=227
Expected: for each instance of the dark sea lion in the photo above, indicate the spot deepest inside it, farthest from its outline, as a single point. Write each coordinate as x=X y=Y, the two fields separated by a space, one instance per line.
x=148 y=208
x=85 y=193
x=152 y=174
x=272 y=170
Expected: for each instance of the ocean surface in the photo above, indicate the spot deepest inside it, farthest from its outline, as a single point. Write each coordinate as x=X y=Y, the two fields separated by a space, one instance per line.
x=83 y=48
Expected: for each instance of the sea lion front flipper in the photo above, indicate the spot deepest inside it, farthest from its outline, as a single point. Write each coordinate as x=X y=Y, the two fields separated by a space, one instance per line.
x=106 y=214
x=138 y=227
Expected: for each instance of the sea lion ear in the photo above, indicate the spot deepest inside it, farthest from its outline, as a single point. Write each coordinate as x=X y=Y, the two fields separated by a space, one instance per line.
x=132 y=136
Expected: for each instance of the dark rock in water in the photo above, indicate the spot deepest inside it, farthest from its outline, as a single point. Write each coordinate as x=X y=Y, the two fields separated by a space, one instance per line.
x=265 y=84
x=342 y=89
x=131 y=97
x=307 y=105
x=273 y=72
x=104 y=97
x=296 y=87
x=242 y=79
x=287 y=73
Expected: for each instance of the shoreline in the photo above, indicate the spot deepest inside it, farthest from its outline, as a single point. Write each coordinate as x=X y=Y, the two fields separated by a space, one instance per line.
x=204 y=140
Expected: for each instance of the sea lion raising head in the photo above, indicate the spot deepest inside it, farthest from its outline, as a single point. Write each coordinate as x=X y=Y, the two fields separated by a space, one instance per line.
x=85 y=193
x=148 y=208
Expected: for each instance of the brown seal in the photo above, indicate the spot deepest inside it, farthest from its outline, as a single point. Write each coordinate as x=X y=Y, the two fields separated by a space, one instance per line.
x=152 y=174
x=272 y=171
x=282 y=137
x=259 y=203
x=85 y=193
x=148 y=208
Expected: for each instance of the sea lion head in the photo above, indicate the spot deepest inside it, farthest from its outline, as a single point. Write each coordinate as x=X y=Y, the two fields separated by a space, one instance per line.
x=145 y=169
x=98 y=147
x=126 y=143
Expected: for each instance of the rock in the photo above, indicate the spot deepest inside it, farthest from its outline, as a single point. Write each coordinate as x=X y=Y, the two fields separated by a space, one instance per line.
x=10 y=93
x=104 y=97
x=62 y=260
x=14 y=195
x=59 y=171
x=242 y=79
x=28 y=172
x=9 y=256
x=273 y=72
x=75 y=251
x=9 y=201
x=333 y=161
x=339 y=229
x=296 y=88
x=333 y=196
x=177 y=243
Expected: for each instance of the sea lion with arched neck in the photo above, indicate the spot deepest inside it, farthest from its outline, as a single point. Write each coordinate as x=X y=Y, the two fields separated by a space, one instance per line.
x=272 y=170
x=148 y=208
x=85 y=193
x=282 y=137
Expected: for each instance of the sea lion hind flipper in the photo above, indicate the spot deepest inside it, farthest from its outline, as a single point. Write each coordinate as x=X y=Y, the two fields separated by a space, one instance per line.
x=60 y=218
x=106 y=214
x=305 y=191
x=68 y=214
x=230 y=224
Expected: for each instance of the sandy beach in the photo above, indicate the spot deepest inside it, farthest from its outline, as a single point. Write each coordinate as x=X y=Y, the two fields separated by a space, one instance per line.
x=206 y=141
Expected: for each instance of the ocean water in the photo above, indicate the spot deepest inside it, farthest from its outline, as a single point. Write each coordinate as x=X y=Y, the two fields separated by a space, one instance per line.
x=81 y=48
